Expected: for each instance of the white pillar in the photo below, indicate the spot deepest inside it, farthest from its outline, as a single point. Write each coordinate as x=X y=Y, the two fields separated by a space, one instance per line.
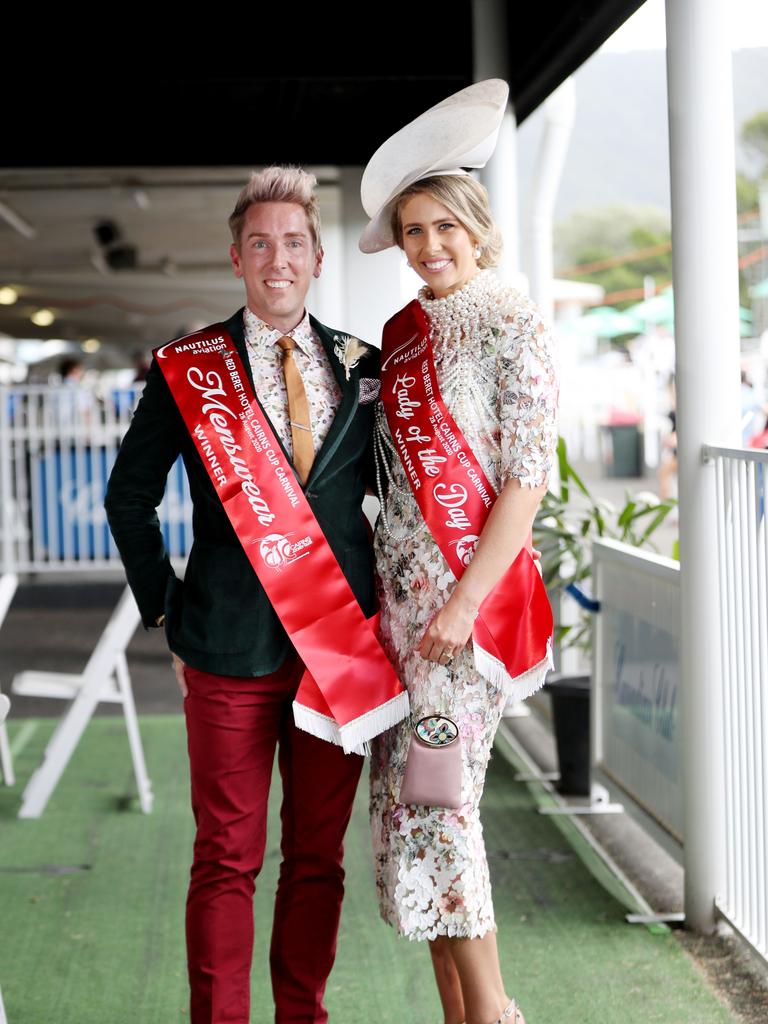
x=355 y=293
x=372 y=285
x=489 y=28
x=701 y=133
x=558 y=121
x=326 y=299
x=500 y=178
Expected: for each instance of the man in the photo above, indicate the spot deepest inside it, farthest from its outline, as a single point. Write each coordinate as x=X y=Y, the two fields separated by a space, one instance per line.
x=234 y=660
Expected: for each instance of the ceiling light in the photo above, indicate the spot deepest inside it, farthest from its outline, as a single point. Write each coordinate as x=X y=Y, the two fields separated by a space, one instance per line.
x=43 y=318
x=8 y=296
x=90 y=345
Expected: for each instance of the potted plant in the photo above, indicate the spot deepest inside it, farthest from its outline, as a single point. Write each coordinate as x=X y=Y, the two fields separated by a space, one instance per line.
x=567 y=522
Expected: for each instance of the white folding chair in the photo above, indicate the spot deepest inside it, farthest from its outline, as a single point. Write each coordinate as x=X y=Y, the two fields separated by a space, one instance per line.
x=8 y=583
x=105 y=679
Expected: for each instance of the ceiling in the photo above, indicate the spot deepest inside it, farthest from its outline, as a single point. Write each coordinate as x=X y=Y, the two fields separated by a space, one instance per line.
x=172 y=271
x=155 y=135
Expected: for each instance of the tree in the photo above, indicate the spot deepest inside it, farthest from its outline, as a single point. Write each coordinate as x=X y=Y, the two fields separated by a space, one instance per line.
x=620 y=235
x=754 y=136
x=746 y=193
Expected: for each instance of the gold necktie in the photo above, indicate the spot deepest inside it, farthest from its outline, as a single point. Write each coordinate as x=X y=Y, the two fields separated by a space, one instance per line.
x=298 y=411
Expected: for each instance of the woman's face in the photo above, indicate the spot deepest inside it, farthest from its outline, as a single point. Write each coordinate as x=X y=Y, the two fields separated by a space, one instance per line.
x=438 y=247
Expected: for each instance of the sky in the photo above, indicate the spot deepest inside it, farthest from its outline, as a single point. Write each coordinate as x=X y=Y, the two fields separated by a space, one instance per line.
x=645 y=29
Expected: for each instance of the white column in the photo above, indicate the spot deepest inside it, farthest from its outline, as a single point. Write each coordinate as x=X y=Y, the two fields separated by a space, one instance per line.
x=327 y=296
x=372 y=285
x=701 y=133
x=559 y=114
x=489 y=24
x=500 y=178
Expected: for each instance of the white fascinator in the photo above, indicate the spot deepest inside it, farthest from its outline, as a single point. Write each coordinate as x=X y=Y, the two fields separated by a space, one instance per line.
x=459 y=132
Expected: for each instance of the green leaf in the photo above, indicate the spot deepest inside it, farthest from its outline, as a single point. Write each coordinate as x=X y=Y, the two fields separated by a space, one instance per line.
x=644 y=509
x=654 y=524
x=574 y=520
x=626 y=513
x=553 y=531
x=579 y=483
x=564 y=468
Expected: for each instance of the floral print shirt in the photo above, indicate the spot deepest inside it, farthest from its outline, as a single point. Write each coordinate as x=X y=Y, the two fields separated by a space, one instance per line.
x=320 y=384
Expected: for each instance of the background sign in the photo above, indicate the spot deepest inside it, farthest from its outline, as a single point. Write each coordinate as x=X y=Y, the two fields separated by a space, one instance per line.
x=636 y=722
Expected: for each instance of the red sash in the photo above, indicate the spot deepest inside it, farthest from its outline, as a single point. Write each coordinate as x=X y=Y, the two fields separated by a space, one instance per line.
x=512 y=635
x=349 y=692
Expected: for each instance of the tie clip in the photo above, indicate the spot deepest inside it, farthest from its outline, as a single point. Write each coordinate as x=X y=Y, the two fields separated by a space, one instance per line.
x=299 y=425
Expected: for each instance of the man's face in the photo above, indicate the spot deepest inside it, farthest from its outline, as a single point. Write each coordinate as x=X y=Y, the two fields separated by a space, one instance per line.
x=276 y=260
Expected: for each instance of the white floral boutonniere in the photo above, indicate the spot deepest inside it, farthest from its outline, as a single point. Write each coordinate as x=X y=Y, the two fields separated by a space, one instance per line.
x=348 y=351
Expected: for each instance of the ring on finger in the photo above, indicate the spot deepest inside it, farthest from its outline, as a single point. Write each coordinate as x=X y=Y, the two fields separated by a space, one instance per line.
x=447 y=657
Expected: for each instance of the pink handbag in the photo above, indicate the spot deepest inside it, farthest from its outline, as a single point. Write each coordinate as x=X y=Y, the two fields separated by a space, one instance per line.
x=432 y=775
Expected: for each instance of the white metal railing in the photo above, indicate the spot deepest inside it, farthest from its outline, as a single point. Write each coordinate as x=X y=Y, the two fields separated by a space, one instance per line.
x=57 y=448
x=742 y=491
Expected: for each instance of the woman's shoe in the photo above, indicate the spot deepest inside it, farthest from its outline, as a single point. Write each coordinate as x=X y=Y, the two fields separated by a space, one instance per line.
x=511 y=1015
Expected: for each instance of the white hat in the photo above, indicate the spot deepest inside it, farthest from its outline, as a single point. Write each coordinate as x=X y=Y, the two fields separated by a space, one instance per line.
x=458 y=132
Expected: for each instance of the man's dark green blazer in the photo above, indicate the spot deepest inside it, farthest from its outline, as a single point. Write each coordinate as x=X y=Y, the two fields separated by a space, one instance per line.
x=218 y=619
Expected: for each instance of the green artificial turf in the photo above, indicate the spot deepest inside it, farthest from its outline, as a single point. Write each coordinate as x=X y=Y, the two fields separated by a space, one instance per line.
x=92 y=908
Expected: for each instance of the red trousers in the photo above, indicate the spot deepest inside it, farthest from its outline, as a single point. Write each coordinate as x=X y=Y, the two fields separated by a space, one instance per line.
x=233 y=727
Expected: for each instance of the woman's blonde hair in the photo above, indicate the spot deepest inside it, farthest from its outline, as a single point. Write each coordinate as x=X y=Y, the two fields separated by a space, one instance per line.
x=467 y=200
x=278 y=185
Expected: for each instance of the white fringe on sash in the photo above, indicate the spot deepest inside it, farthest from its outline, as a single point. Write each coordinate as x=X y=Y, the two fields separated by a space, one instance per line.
x=353 y=736
x=374 y=722
x=318 y=725
x=521 y=686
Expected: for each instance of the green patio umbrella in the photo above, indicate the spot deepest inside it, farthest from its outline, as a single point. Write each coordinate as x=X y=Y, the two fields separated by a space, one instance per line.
x=658 y=309
x=607 y=322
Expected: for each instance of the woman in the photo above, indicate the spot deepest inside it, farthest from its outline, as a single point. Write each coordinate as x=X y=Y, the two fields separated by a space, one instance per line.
x=494 y=374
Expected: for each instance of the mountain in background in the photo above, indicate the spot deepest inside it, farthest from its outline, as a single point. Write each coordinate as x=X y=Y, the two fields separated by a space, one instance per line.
x=619 y=151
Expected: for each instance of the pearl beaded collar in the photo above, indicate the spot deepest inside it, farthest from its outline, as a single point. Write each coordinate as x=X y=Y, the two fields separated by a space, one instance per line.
x=463 y=311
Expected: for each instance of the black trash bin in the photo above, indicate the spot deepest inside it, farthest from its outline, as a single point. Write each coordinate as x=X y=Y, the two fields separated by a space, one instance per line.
x=622 y=450
x=570 y=712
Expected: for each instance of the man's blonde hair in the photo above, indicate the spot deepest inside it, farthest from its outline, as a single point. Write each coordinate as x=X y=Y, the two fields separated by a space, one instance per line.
x=467 y=200
x=278 y=185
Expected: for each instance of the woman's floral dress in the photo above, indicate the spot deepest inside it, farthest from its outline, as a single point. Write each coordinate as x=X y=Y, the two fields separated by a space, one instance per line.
x=494 y=364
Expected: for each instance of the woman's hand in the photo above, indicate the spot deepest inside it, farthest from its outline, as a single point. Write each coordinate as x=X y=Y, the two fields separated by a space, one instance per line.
x=450 y=629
